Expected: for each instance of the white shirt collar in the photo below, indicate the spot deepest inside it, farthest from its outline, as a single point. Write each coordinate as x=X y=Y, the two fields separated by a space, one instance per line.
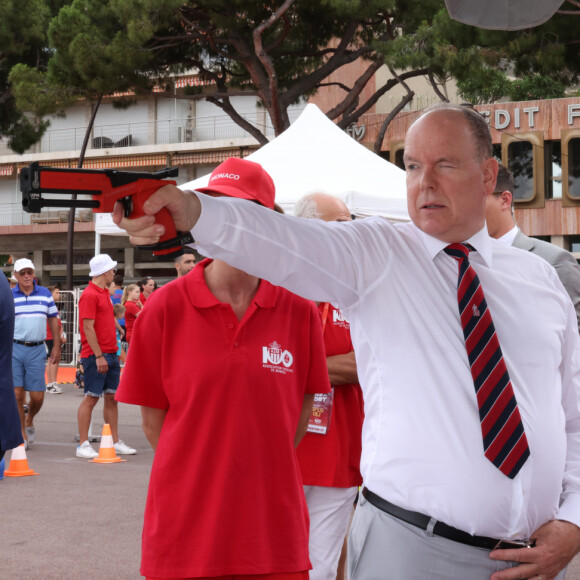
x=509 y=237
x=480 y=241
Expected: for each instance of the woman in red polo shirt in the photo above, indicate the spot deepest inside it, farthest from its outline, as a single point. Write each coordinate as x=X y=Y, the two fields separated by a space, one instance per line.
x=132 y=306
x=146 y=285
x=226 y=390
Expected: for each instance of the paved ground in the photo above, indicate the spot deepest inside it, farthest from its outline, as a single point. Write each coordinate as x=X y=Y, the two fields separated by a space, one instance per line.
x=75 y=519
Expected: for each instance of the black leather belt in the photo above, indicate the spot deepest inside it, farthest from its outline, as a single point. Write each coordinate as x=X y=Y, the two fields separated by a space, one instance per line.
x=27 y=343
x=440 y=529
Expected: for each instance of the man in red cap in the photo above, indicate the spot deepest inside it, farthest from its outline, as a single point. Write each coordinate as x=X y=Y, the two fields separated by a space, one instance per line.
x=225 y=495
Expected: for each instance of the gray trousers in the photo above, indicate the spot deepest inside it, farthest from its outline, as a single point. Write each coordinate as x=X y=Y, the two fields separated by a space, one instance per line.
x=381 y=547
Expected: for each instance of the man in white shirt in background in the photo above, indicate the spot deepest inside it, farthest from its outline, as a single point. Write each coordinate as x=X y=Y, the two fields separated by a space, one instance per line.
x=433 y=506
x=501 y=225
x=329 y=454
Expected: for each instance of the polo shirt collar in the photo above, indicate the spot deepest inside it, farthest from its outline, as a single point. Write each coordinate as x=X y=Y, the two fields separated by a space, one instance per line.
x=202 y=297
x=98 y=288
x=34 y=289
x=480 y=241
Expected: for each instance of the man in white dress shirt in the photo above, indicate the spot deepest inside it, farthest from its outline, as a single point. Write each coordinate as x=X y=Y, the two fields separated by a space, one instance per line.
x=433 y=506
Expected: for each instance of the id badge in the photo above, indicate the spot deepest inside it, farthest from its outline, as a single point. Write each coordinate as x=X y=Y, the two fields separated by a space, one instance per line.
x=319 y=421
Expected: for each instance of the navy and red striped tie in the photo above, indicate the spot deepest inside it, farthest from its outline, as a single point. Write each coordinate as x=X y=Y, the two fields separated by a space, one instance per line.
x=504 y=440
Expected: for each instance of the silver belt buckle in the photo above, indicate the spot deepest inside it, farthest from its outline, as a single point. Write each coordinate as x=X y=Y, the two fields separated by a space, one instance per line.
x=514 y=544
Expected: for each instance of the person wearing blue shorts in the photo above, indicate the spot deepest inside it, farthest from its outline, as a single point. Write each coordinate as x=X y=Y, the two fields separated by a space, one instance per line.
x=102 y=370
x=33 y=305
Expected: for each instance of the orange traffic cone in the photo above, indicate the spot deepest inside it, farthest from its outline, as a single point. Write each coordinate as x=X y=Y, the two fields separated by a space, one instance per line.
x=19 y=464
x=107 y=452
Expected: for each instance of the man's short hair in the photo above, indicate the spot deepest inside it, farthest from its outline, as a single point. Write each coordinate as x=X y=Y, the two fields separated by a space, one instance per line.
x=477 y=124
x=306 y=207
x=118 y=280
x=505 y=180
x=186 y=251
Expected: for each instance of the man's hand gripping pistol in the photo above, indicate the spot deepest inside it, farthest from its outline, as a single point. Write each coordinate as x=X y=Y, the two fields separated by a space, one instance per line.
x=106 y=186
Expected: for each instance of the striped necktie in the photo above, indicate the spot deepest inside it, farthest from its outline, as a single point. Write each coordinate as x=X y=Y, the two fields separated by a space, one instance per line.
x=504 y=440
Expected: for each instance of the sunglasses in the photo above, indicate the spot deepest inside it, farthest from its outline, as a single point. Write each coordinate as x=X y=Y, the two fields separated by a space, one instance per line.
x=27 y=272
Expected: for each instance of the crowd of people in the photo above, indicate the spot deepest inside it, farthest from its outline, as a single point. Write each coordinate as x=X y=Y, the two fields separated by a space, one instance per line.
x=463 y=461
x=38 y=337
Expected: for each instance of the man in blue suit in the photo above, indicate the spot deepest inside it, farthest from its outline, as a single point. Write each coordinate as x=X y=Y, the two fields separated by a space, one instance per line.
x=10 y=431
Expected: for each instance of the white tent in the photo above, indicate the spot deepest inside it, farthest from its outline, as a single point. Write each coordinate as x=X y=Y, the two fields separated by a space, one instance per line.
x=313 y=154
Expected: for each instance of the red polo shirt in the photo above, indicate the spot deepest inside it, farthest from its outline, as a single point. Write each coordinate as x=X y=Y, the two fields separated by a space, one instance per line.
x=95 y=304
x=333 y=459
x=131 y=313
x=225 y=494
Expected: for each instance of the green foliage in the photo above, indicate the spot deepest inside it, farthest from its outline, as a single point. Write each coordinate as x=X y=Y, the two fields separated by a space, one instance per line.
x=487 y=86
x=23 y=40
x=96 y=47
x=92 y=52
x=536 y=87
x=35 y=94
x=544 y=60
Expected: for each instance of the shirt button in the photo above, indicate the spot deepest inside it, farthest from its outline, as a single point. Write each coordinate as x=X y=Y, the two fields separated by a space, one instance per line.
x=230 y=325
x=236 y=344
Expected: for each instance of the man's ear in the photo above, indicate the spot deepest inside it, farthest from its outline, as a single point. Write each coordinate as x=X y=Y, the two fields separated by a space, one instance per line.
x=506 y=200
x=490 y=167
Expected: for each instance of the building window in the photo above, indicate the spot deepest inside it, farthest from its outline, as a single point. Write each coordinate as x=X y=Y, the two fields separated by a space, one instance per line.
x=399 y=158
x=521 y=165
x=574 y=168
x=553 y=166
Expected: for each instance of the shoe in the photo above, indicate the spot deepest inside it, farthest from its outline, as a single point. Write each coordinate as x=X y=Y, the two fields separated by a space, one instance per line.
x=123 y=449
x=30 y=433
x=53 y=388
x=86 y=451
x=25 y=407
x=25 y=445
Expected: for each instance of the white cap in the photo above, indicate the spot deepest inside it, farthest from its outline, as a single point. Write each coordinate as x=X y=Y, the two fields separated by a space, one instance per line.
x=23 y=263
x=101 y=264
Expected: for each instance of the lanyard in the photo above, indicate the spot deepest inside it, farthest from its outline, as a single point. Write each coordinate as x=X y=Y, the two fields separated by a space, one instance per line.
x=325 y=315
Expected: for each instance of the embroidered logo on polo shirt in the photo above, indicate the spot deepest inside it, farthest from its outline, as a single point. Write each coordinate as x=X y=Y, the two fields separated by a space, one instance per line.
x=338 y=319
x=277 y=359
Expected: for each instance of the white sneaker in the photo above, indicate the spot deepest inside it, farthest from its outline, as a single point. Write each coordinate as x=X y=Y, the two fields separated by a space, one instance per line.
x=53 y=388
x=86 y=451
x=30 y=434
x=123 y=449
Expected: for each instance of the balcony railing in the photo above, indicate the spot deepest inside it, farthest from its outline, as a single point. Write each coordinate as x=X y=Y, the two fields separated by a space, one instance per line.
x=12 y=214
x=120 y=136
x=166 y=132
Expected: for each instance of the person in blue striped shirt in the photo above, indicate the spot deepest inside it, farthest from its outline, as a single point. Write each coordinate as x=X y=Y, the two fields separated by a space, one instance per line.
x=33 y=305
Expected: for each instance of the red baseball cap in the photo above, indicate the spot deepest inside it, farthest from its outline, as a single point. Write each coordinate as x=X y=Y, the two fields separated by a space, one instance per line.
x=244 y=179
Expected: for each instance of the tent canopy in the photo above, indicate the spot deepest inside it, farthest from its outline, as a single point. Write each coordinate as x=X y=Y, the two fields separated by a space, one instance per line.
x=313 y=154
